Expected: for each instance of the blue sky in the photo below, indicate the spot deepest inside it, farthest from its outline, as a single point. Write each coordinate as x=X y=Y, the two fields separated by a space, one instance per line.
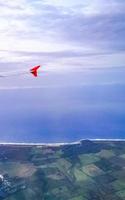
x=80 y=46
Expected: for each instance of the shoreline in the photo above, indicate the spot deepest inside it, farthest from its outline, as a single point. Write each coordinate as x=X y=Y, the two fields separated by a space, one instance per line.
x=59 y=143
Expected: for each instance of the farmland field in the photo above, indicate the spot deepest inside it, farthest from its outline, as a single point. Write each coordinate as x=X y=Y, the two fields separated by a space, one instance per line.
x=88 y=170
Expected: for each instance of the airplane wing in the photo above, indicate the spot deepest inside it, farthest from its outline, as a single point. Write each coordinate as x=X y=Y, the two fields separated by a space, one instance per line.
x=33 y=71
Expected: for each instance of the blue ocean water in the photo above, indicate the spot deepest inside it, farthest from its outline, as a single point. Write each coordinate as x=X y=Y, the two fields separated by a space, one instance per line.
x=64 y=107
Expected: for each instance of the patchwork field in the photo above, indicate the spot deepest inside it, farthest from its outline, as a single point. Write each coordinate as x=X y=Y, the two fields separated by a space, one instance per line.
x=89 y=170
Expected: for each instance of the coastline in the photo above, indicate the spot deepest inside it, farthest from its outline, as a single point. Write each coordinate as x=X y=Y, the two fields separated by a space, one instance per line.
x=59 y=143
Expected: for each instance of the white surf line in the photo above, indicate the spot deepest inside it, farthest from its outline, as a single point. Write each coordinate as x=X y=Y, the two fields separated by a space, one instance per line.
x=59 y=144
x=99 y=139
x=37 y=144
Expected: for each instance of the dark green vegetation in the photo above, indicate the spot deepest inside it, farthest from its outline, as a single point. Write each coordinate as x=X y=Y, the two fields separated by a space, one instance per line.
x=90 y=170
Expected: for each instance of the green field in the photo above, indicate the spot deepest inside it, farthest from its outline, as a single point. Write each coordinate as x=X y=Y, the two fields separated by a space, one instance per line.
x=84 y=171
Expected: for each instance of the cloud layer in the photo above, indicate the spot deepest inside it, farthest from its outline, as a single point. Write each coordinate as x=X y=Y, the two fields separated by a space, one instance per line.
x=63 y=34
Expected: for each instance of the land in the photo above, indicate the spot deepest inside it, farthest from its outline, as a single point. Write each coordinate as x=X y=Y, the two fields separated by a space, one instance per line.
x=87 y=170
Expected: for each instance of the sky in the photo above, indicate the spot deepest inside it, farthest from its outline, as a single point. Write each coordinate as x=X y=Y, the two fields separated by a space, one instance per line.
x=80 y=91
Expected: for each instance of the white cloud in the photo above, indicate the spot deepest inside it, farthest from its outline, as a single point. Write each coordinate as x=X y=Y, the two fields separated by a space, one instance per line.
x=90 y=7
x=97 y=7
x=57 y=26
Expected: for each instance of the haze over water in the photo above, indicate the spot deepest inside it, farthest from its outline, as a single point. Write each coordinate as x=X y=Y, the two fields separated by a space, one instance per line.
x=73 y=106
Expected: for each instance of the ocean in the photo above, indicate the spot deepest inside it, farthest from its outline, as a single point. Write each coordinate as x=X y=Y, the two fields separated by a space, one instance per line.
x=63 y=107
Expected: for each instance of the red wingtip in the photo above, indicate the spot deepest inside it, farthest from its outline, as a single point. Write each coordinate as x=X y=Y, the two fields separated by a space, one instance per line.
x=34 y=70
